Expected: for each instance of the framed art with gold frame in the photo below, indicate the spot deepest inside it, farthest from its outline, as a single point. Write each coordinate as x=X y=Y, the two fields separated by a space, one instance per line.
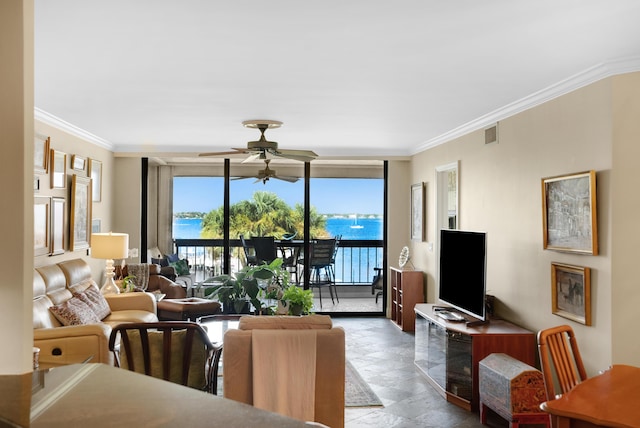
x=58 y=169
x=95 y=172
x=571 y=292
x=41 y=227
x=80 y=221
x=78 y=163
x=58 y=214
x=569 y=214
x=41 y=153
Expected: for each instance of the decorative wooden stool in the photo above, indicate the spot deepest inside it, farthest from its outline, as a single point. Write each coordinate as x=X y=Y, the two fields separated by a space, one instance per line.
x=512 y=389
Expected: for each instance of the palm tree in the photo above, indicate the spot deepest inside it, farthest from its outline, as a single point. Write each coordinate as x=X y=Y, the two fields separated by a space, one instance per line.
x=264 y=215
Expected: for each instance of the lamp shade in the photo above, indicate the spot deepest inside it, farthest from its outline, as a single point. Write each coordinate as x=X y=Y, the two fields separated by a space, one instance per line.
x=110 y=245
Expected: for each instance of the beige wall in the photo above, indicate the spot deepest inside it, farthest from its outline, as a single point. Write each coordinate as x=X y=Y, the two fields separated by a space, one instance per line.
x=500 y=193
x=16 y=178
x=624 y=200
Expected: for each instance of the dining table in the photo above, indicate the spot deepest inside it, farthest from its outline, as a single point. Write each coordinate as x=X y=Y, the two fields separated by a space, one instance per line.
x=609 y=399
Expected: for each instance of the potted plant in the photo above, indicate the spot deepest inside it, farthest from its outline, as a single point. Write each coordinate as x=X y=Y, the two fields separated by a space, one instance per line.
x=298 y=300
x=251 y=284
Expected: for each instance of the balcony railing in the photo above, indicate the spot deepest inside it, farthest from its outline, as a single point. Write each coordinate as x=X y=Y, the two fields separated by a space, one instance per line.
x=354 y=264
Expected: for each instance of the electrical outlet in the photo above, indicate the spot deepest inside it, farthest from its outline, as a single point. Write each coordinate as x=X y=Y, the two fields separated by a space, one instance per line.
x=430 y=247
x=133 y=252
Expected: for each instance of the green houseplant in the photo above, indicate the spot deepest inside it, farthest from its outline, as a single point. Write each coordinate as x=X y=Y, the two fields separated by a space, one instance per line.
x=298 y=300
x=251 y=284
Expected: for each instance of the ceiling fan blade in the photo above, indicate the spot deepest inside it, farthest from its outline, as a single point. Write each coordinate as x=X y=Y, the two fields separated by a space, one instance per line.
x=300 y=155
x=285 y=178
x=252 y=157
x=233 y=152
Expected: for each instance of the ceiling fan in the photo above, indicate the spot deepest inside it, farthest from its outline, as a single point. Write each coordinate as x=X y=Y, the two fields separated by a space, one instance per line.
x=263 y=149
x=265 y=174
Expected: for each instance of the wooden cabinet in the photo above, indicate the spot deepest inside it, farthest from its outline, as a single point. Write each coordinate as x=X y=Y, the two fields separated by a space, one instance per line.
x=407 y=290
x=449 y=353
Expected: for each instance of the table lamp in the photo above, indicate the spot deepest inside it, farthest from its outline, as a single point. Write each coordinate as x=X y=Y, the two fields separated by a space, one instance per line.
x=109 y=246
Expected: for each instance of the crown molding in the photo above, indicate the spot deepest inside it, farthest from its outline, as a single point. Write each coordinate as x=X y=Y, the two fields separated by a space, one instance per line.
x=62 y=125
x=577 y=81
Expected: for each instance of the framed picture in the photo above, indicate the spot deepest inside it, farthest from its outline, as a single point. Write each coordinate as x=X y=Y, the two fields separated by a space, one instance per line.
x=569 y=214
x=571 y=292
x=80 y=231
x=96 y=225
x=41 y=231
x=417 y=212
x=41 y=153
x=58 y=169
x=95 y=172
x=78 y=163
x=58 y=210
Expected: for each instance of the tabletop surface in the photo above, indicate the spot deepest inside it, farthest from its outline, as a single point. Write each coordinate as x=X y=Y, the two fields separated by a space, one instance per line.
x=610 y=399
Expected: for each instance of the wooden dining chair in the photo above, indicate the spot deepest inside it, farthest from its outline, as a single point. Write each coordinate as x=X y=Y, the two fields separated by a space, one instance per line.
x=176 y=351
x=559 y=354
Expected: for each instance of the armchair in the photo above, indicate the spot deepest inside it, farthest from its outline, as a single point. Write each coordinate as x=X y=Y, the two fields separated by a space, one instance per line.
x=292 y=344
x=155 y=280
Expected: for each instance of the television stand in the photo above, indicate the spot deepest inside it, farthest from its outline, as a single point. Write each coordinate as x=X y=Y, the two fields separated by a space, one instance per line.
x=449 y=353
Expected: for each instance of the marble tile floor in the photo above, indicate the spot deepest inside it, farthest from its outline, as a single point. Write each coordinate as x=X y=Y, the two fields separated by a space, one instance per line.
x=383 y=355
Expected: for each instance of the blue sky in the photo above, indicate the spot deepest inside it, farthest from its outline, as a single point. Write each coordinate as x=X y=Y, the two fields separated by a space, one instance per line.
x=328 y=195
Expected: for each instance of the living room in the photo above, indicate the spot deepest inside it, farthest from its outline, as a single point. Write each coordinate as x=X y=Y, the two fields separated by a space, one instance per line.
x=590 y=123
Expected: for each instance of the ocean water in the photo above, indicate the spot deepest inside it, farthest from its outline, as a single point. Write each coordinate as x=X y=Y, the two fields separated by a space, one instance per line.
x=349 y=228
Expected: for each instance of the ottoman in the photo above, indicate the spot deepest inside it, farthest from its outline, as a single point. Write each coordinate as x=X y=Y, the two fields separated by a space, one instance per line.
x=187 y=309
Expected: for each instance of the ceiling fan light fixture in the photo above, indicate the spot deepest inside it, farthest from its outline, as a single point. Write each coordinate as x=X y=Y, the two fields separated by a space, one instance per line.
x=262 y=123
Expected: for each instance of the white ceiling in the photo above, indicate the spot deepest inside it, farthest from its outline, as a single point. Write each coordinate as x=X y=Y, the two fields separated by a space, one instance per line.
x=347 y=77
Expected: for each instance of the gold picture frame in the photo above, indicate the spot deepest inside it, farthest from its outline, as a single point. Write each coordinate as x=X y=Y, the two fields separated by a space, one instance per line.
x=95 y=172
x=569 y=214
x=58 y=169
x=41 y=226
x=80 y=221
x=571 y=292
x=78 y=163
x=418 y=232
x=41 y=153
x=58 y=215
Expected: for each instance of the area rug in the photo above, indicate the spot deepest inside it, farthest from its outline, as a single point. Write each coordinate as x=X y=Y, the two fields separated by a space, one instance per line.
x=357 y=393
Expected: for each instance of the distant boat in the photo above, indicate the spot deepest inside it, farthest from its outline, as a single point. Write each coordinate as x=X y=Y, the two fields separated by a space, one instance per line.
x=356 y=225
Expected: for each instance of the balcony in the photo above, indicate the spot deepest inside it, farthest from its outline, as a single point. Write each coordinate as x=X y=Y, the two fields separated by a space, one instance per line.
x=354 y=266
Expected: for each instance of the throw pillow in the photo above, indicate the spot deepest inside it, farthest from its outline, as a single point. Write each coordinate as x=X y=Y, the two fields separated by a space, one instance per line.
x=172 y=258
x=181 y=267
x=96 y=301
x=74 y=312
x=163 y=262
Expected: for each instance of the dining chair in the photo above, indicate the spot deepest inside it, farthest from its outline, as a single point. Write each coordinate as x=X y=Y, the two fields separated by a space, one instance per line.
x=176 y=351
x=321 y=260
x=265 y=247
x=559 y=354
x=249 y=252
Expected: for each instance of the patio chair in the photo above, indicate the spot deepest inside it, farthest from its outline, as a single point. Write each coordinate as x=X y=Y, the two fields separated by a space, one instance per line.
x=322 y=258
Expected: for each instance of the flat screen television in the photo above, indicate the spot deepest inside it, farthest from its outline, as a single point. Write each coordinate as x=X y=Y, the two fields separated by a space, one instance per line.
x=463 y=271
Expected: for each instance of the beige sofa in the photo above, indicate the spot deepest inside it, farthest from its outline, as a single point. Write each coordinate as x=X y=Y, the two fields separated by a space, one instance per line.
x=242 y=382
x=68 y=344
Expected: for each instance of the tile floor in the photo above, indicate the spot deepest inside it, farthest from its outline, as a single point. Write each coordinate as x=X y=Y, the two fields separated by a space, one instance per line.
x=383 y=355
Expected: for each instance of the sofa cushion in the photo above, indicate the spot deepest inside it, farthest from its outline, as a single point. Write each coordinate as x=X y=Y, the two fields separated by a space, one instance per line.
x=95 y=300
x=74 y=312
